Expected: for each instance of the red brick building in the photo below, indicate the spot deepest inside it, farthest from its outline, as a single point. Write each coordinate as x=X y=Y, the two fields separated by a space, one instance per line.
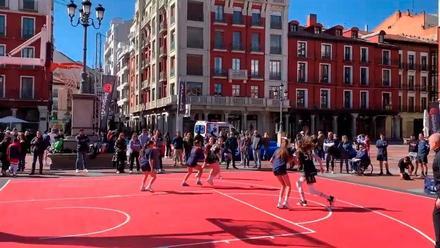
x=25 y=89
x=339 y=81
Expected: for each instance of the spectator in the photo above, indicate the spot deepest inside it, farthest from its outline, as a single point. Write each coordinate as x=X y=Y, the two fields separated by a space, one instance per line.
x=144 y=137
x=178 y=149
x=231 y=146
x=360 y=159
x=244 y=149
x=329 y=159
x=3 y=154
x=319 y=148
x=120 y=155
x=38 y=147
x=14 y=155
x=159 y=144
x=135 y=147
x=199 y=138
x=23 y=149
x=265 y=142
x=434 y=144
x=187 y=145
x=82 y=148
x=422 y=155
x=347 y=151
x=167 y=145
x=382 y=154
x=405 y=164
x=256 y=147
x=413 y=144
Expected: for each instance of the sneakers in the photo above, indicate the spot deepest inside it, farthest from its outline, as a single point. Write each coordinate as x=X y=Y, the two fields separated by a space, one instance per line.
x=77 y=171
x=331 y=200
x=85 y=170
x=131 y=172
x=302 y=203
x=280 y=205
x=148 y=188
x=210 y=181
x=184 y=184
x=286 y=205
x=199 y=183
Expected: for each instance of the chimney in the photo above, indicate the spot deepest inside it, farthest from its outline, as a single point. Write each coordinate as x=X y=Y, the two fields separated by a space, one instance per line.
x=366 y=28
x=312 y=19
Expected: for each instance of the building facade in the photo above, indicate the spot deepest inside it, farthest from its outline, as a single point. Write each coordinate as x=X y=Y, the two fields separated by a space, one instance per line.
x=227 y=55
x=342 y=82
x=25 y=91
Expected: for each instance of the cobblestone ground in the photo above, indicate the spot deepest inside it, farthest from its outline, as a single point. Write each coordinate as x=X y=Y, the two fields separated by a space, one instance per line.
x=390 y=182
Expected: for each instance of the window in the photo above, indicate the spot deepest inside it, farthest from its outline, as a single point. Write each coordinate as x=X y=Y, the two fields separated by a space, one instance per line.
x=325 y=73
x=172 y=14
x=2 y=86
x=219 y=13
x=236 y=41
x=173 y=40
x=364 y=54
x=2 y=25
x=275 y=44
x=218 y=89
x=28 y=27
x=273 y=92
x=424 y=103
x=195 y=37
x=411 y=83
x=194 y=64
x=364 y=100
x=301 y=98
x=3 y=3
x=424 y=83
x=194 y=89
x=27 y=88
x=347 y=99
x=235 y=90
x=386 y=77
x=348 y=75
x=411 y=103
x=400 y=60
x=219 y=38
x=325 y=98
x=255 y=45
x=386 y=100
x=55 y=93
x=218 y=66
x=275 y=70
x=172 y=68
x=2 y=50
x=254 y=91
x=302 y=67
x=424 y=63
x=364 y=76
x=302 y=49
x=195 y=11
x=411 y=61
x=236 y=64
x=29 y=5
x=400 y=103
x=326 y=51
x=27 y=52
x=347 y=53
x=386 y=57
x=255 y=68
x=237 y=17
x=256 y=19
x=275 y=22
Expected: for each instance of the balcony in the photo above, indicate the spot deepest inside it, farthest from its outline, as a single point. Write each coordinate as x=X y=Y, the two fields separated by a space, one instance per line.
x=388 y=107
x=219 y=73
x=145 y=84
x=237 y=48
x=220 y=20
x=238 y=74
x=326 y=57
x=236 y=101
x=411 y=66
x=162 y=102
x=256 y=49
x=219 y=47
x=238 y=21
x=256 y=76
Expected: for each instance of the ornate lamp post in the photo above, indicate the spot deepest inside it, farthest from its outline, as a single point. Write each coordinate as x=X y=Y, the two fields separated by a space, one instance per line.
x=86 y=21
x=281 y=94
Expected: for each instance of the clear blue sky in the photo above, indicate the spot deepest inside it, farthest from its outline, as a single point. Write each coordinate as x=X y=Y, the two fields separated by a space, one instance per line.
x=330 y=12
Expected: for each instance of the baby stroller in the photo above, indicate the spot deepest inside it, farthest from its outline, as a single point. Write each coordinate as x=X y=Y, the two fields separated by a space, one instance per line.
x=361 y=164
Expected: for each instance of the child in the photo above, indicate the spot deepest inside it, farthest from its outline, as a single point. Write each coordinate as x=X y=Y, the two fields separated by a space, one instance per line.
x=192 y=163
x=211 y=160
x=279 y=162
x=305 y=157
x=14 y=155
x=147 y=165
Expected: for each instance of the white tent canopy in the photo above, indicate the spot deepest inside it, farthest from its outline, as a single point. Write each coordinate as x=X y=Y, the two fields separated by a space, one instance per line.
x=11 y=119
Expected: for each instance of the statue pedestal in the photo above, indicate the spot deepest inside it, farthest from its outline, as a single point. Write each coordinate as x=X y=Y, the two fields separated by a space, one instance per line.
x=83 y=113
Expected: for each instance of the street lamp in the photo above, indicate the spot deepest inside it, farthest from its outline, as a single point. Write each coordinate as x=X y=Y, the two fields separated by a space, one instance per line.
x=281 y=94
x=85 y=20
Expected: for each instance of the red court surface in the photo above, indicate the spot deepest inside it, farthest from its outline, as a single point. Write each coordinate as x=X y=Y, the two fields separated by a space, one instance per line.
x=239 y=211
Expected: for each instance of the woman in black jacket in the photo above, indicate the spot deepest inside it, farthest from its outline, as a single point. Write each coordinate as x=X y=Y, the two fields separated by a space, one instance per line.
x=3 y=156
x=120 y=156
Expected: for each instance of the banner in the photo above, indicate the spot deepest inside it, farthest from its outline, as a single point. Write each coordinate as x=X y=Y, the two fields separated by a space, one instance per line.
x=182 y=98
x=108 y=85
x=434 y=117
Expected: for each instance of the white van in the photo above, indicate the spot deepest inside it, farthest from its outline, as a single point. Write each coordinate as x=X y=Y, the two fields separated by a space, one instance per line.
x=207 y=127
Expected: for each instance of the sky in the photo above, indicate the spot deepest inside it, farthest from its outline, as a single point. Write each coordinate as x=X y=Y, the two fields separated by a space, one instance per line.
x=348 y=13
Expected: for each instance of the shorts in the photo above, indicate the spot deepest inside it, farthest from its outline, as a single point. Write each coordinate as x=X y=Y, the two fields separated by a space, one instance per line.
x=422 y=159
x=191 y=166
x=310 y=179
x=413 y=155
x=146 y=168
x=280 y=172
x=382 y=158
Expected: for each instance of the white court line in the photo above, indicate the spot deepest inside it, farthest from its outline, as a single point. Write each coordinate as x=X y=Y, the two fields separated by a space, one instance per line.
x=329 y=214
x=358 y=206
x=4 y=185
x=265 y=212
x=127 y=219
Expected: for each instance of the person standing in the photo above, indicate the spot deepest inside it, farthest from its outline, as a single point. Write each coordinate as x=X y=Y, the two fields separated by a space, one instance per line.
x=82 y=148
x=135 y=147
x=265 y=142
x=347 y=150
x=13 y=154
x=231 y=146
x=413 y=144
x=329 y=143
x=144 y=137
x=256 y=147
x=38 y=147
x=147 y=166
x=244 y=149
x=422 y=155
x=187 y=145
x=3 y=154
x=23 y=150
x=120 y=155
x=434 y=144
x=178 y=149
x=382 y=155
x=167 y=145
